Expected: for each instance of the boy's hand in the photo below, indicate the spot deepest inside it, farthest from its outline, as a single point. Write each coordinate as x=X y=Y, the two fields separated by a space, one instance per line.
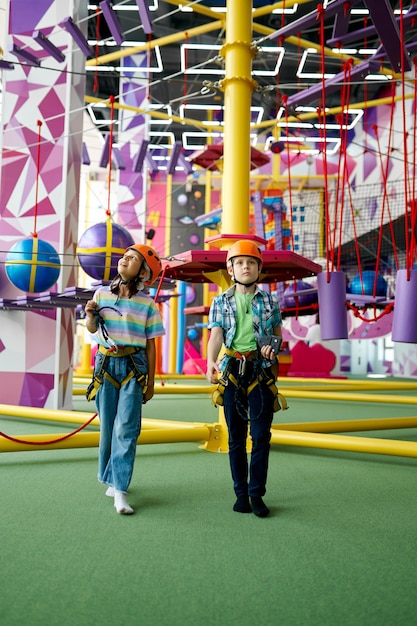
x=212 y=373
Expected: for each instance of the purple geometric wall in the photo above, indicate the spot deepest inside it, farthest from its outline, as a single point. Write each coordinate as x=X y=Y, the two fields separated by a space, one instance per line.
x=36 y=348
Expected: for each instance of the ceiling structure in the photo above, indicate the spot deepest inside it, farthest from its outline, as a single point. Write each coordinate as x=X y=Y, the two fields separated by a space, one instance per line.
x=185 y=75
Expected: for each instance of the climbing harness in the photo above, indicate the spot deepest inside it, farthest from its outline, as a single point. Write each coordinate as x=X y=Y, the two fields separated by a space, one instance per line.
x=111 y=352
x=102 y=325
x=245 y=382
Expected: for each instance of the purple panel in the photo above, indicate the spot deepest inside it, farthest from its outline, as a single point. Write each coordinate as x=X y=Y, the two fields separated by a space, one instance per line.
x=112 y=22
x=310 y=20
x=333 y=84
x=140 y=157
x=145 y=16
x=389 y=33
x=174 y=157
x=258 y=211
x=25 y=16
x=404 y=325
x=332 y=305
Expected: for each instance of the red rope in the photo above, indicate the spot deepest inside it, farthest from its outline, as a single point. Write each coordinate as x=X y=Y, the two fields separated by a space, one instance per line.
x=356 y=312
x=284 y=102
x=51 y=441
x=160 y=282
x=38 y=167
x=322 y=125
x=413 y=202
x=111 y=99
x=405 y=135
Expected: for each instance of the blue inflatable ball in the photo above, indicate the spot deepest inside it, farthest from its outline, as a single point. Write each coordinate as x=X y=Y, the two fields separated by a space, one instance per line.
x=367 y=281
x=305 y=300
x=192 y=334
x=32 y=265
x=100 y=248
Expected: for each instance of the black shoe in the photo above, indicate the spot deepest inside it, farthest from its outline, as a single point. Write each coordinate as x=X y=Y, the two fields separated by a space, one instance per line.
x=242 y=505
x=259 y=507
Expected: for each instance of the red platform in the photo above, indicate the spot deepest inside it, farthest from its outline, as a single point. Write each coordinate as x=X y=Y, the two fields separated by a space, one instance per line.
x=278 y=265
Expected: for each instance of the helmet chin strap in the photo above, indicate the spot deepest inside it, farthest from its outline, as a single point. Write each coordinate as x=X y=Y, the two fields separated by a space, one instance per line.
x=244 y=284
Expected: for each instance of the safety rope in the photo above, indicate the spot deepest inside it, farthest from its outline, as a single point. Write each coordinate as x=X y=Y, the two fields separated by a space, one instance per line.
x=356 y=311
x=51 y=441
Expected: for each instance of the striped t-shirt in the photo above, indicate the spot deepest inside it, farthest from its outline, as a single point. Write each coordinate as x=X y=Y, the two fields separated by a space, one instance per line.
x=130 y=321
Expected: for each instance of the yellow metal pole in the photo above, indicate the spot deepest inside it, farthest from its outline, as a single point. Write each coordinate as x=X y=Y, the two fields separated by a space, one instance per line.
x=238 y=86
x=91 y=440
x=345 y=426
x=346 y=443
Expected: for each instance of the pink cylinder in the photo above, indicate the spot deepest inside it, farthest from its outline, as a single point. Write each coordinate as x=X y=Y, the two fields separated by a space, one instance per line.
x=332 y=305
x=404 y=321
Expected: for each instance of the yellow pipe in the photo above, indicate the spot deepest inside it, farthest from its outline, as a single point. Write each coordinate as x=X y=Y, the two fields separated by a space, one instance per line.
x=334 y=110
x=155 y=114
x=91 y=440
x=48 y=415
x=85 y=367
x=354 y=397
x=161 y=41
x=238 y=86
x=346 y=443
x=344 y=426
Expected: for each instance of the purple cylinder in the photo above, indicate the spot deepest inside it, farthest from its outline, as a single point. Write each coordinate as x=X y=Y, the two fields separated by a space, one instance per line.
x=332 y=305
x=404 y=321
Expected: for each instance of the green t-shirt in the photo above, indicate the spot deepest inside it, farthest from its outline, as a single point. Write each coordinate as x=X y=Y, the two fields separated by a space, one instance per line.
x=244 y=339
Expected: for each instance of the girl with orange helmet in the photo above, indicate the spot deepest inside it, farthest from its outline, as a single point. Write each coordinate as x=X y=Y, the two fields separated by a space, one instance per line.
x=125 y=322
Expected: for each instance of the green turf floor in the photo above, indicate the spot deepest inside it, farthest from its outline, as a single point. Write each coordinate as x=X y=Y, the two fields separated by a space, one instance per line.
x=338 y=549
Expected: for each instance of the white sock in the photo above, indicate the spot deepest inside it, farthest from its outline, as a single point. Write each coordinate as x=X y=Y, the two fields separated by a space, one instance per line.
x=120 y=503
x=110 y=492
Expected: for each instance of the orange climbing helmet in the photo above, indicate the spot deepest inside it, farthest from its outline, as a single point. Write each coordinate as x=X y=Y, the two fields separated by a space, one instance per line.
x=244 y=247
x=151 y=259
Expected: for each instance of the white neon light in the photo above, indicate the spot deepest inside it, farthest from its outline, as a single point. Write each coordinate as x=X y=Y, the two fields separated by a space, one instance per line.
x=163 y=108
x=189 y=139
x=356 y=114
x=257 y=113
x=302 y=63
x=278 y=52
x=160 y=146
x=312 y=140
x=153 y=69
x=125 y=7
x=215 y=108
x=96 y=120
x=289 y=11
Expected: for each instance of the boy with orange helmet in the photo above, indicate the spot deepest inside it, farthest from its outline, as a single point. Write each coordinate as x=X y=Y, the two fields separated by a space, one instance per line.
x=124 y=367
x=246 y=320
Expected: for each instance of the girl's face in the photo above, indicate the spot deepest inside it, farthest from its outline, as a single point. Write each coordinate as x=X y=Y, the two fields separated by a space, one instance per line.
x=130 y=265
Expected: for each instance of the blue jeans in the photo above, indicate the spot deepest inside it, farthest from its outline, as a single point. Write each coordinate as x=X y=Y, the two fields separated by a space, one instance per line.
x=260 y=404
x=120 y=414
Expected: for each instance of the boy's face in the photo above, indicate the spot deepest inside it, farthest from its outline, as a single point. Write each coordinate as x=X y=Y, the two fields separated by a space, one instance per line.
x=245 y=269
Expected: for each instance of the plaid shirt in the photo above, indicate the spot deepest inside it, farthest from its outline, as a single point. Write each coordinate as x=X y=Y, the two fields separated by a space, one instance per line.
x=223 y=313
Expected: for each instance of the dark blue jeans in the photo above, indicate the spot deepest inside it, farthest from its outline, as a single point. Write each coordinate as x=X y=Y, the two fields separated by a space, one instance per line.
x=260 y=411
